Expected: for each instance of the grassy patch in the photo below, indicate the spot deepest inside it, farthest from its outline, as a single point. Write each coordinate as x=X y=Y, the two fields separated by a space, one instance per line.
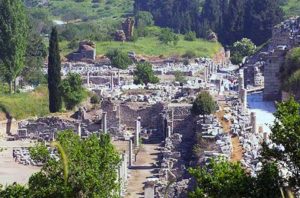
x=151 y=46
x=24 y=105
x=292 y=8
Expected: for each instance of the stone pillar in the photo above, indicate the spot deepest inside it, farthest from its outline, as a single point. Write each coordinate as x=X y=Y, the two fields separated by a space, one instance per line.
x=130 y=154
x=205 y=74
x=104 y=122
x=111 y=81
x=253 y=122
x=244 y=98
x=88 y=79
x=137 y=132
x=149 y=189
x=124 y=159
x=172 y=124
x=119 y=78
x=79 y=129
x=169 y=132
x=241 y=80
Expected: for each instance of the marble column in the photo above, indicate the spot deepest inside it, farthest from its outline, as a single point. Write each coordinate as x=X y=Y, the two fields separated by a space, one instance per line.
x=253 y=122
x=111 y=81
x=137 y=132
x=130 y=154
x=104 y=122
x=79 y=129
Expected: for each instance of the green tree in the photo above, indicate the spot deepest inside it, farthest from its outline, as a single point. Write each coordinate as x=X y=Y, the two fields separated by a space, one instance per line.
x=72 y=91
x=36 y=54
x=13 y=40
x=54 y=76
x=14 y=191
x=143 y=19
x=241 y=49
x=167 y=36
x=190 y=36
x=179 y=77
x=92 y=165
x=118 y=58
x=286 y=132
x=203 y=105
x=144 y=74
x=221 y=179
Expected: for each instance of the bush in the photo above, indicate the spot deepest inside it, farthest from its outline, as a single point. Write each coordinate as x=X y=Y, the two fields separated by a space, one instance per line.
x=95 y=99
x=189 y=54
x=72 y=91
x=190 y=36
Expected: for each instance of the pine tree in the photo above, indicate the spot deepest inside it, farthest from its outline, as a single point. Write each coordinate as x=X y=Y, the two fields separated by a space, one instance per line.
x=234 y=22
x=54 y=78
x=13 y=39
x=261 y=16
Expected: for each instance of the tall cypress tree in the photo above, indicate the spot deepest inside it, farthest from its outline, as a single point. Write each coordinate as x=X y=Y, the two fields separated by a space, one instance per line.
x=13 y=40
x=54 y=78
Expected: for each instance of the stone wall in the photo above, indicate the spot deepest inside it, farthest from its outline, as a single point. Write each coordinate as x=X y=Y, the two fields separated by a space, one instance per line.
x=128 y=112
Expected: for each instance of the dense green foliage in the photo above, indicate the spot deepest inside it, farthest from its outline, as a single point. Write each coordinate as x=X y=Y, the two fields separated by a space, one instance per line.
x=231 y=20
x=204 y=104
x=54 y=75
x=167 y=36
x=92 y=165
x=144 y=74
x=118 y=58
x=72 y=91
x=13 y=40
x=289 y=72
x=241 y=49
x=86 y=168
x=225 y=179
x=190 y=36
x=286 y=132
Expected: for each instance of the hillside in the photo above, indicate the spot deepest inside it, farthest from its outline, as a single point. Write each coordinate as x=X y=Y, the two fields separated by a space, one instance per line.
x=151 y=46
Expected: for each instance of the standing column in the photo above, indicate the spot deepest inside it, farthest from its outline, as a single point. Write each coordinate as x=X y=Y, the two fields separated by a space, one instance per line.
x=88 y=78
x=172 y=124
x=111 y=81
x=241 y=80
x=130 y=154
x=253 y=122
x=79 y=129
x=119 y=78
x=205 y=74
x=104 y=122
x=137 y=132
x=244 y=98
x=169 y=132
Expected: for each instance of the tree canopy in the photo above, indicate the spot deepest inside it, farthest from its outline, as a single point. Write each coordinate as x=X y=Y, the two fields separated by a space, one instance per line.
x=54 y=75
x=118 y=58
x=81 y=168
x=144 y=74
x=204 y=104
x=72 y=91
x=286 y=137
x=13 y=40
x=241 y=49
x=222 y=179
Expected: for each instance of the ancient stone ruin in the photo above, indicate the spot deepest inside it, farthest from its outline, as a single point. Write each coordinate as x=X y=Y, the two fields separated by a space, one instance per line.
x=86 y=51
x=127 y=30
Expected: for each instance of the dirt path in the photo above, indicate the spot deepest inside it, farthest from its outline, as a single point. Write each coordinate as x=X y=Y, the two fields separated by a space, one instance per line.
x=237 y=153
x=141 y=170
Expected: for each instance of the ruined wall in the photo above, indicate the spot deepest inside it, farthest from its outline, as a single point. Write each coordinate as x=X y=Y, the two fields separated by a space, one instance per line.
x=128 y=112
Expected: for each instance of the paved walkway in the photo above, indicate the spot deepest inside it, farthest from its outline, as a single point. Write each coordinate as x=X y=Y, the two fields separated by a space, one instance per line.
x=141 y=170
x=11 y=171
